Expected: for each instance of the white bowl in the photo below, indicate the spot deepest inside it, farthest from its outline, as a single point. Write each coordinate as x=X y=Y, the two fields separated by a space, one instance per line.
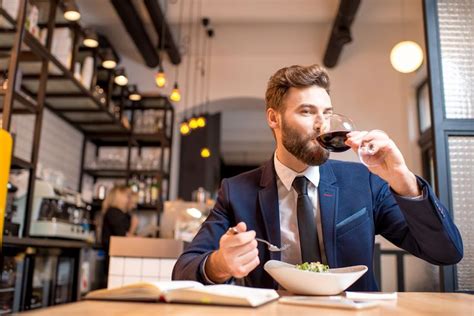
x=313 y=283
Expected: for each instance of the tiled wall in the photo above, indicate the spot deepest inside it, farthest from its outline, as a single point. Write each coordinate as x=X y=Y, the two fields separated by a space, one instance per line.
x=125 y=270
x=60 y=145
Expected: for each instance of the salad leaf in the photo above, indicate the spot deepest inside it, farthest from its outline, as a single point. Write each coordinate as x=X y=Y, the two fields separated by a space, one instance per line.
x=313 y=267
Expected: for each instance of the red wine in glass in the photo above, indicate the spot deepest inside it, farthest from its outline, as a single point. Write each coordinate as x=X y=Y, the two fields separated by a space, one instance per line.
x=334 y=141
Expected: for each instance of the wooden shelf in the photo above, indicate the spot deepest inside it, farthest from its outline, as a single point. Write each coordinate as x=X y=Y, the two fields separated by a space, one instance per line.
x=122 y=139
x=151 y=102
x=44 y=242
x=65 y=94
x=22 y=103
x=106 y=173
x=122 y=173
x=18 y=163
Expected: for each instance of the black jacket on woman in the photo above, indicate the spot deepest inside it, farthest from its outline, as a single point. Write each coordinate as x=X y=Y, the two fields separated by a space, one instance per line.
x=115 y=223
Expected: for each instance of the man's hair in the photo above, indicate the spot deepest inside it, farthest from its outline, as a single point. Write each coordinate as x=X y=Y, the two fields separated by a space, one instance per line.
x=294 y=76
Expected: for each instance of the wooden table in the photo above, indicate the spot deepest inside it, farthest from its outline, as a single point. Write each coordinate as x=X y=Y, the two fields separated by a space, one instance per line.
x=446 y=304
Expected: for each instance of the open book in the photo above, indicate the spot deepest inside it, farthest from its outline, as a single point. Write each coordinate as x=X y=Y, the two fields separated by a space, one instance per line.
x=187 y=292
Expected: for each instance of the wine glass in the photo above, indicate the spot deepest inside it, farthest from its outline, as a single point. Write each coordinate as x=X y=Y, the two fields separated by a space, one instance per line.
x=334 y=132
x=334 y=135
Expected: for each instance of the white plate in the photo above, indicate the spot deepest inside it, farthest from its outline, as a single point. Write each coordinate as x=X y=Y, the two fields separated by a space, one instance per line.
x=313 y=283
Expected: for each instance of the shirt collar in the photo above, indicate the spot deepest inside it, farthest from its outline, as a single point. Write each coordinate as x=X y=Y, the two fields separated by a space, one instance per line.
x=287 y=175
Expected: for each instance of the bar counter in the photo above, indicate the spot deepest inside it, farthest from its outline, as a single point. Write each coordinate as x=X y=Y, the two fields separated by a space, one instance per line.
x=451 y=304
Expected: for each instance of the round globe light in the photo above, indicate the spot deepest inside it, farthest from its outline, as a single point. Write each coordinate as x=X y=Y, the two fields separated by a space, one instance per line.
x=406 y=56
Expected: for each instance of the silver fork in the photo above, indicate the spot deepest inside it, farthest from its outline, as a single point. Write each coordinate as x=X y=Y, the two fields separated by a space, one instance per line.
x=271 y=247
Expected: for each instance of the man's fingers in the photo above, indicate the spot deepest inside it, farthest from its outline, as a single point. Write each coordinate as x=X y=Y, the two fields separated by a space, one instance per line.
x=248 y=256
x=241 y=227
x=241 y=250
x=243 y=270
x=238 y=239
x=355 y=138
x=252 y=265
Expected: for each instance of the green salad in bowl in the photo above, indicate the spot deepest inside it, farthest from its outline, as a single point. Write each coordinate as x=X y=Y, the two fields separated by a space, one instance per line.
x=313 y=267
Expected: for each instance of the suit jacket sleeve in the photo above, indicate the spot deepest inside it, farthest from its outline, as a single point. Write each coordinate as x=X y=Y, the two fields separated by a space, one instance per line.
x=422 y=226
x=189 y=265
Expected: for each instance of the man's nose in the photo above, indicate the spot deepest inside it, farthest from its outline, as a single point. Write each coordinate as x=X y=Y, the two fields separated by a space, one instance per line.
x=319 y=122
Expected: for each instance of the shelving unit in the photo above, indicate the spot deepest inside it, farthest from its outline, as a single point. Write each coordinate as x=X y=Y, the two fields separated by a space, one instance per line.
x=161 y=139
x=45 y=82
x=22 y=103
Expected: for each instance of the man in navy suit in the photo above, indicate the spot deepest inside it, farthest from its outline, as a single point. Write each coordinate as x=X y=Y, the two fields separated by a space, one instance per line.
x=319 y=209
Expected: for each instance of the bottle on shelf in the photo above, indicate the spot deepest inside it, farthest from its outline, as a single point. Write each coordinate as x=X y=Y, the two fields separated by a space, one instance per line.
x=134 y=184
x=141 y=191
x=148 y=191
x=155 y=192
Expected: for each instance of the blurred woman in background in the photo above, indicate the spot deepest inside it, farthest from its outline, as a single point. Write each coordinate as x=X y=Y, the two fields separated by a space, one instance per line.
x=116 y=216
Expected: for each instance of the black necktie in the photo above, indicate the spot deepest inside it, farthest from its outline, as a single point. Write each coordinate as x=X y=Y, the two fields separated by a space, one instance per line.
x=309 y=242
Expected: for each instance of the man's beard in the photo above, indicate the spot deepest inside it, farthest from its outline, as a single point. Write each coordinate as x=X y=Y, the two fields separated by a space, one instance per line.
x=303 y=147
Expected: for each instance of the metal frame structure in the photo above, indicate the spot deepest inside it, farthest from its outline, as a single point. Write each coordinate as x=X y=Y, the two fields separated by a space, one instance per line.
x=161 y=139
x=37 y=92
x=442 y=128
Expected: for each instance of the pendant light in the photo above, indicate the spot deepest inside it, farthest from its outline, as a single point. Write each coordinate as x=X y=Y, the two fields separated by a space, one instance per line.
x=160 y=76
x=205 y=152
x=202 y=119
x=176 y=94
x=189 y=48
x=71 y=11
x=210 y=35
x=184 y=128
x=406 y=56
x=108 y=60
x=120 y=77
x=133 y=94
x=91 y=39
x=194 y=121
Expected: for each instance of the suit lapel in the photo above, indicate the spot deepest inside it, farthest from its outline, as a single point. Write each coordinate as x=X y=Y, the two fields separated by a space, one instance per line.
x=328 y=197
x=268 y=199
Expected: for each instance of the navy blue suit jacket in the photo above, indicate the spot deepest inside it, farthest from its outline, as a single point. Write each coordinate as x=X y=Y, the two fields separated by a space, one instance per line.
x=355 y=206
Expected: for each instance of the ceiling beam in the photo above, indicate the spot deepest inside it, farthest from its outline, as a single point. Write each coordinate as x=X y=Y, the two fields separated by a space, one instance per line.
x=341 y=31
x=133 y=24
x=159 y=22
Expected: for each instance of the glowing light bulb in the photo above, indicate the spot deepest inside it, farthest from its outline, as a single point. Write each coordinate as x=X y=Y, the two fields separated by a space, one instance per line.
x=135 y=97
x=160 y=79
x=90 y=42
x=121 y=80
x=406 y=56
x=184 y=129
x=175 y=94
x=109 y=64
x=205 y=152
x=193 y=124
x=201 y=121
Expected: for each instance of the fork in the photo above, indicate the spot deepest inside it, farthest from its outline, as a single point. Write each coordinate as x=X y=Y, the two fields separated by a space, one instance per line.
x=271 y=247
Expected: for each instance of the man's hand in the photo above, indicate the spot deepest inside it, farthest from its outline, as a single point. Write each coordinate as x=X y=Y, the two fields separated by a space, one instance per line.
x=236 y=257
x=393 y=168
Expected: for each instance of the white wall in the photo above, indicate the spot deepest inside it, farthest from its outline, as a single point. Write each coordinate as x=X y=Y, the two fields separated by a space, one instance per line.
x=364 y=85
x=60 y=146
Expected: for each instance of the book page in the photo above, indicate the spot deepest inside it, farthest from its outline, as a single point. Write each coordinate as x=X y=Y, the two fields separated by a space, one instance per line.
x=142 y=291
x=223 y=294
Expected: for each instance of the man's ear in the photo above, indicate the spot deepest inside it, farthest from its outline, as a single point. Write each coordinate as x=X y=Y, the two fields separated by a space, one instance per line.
x=273 y=118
